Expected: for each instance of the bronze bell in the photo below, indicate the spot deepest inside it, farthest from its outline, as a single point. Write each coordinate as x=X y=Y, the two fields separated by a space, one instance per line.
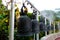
x=42 y=27
x=24 y=24
x=50 y=27
x=35 y=26
x=35 y=23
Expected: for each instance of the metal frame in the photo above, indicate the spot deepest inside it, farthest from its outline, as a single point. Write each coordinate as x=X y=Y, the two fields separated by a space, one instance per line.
x=11 y=31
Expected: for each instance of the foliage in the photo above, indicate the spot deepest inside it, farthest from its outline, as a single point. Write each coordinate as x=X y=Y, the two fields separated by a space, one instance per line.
x=57 y=16
x=29 y=15
x=4 y=22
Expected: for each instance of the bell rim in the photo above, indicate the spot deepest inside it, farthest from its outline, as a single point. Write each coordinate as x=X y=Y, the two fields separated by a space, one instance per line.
x=29 y=34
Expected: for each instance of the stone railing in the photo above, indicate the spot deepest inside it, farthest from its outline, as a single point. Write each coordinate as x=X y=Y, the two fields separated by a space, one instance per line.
x=55 y=36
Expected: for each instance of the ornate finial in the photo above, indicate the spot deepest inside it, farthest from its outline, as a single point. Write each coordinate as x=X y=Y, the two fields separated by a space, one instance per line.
x=24 y=10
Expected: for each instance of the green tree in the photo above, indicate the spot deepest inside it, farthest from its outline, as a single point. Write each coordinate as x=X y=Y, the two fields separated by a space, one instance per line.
x=3 y=21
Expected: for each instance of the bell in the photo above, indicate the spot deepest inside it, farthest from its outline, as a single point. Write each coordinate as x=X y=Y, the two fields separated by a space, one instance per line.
x=48 y=27
x=42 y=26
x=24 y=26
x=35 y=26
x=35 y=23
x=24 y=23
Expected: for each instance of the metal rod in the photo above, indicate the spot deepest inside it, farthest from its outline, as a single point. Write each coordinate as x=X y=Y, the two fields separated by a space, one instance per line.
x=45 y=24
x=37 y=36
x=34 y=36
x=54 y=27
x=50 y=28
x=58 y=27
x=11 y=31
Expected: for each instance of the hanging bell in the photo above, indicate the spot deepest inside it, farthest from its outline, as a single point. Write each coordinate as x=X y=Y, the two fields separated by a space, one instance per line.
x=35 y=26
x=35 y=23
x=24 y=26
x=24 y=23
x=48 y=27
x=42 y=26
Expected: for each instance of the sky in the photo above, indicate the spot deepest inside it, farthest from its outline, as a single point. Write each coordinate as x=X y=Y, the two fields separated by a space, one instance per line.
x=39 y=4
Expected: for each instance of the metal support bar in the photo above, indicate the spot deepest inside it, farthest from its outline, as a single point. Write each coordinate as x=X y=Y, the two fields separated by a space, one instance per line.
x=58 y=26
x=50 y=28
x=34 y=36
x=45 y=24
x=11 y=31
x=54 y=27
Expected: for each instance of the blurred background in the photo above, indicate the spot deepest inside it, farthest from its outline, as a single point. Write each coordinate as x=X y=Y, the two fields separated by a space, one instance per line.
x=49 y=9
